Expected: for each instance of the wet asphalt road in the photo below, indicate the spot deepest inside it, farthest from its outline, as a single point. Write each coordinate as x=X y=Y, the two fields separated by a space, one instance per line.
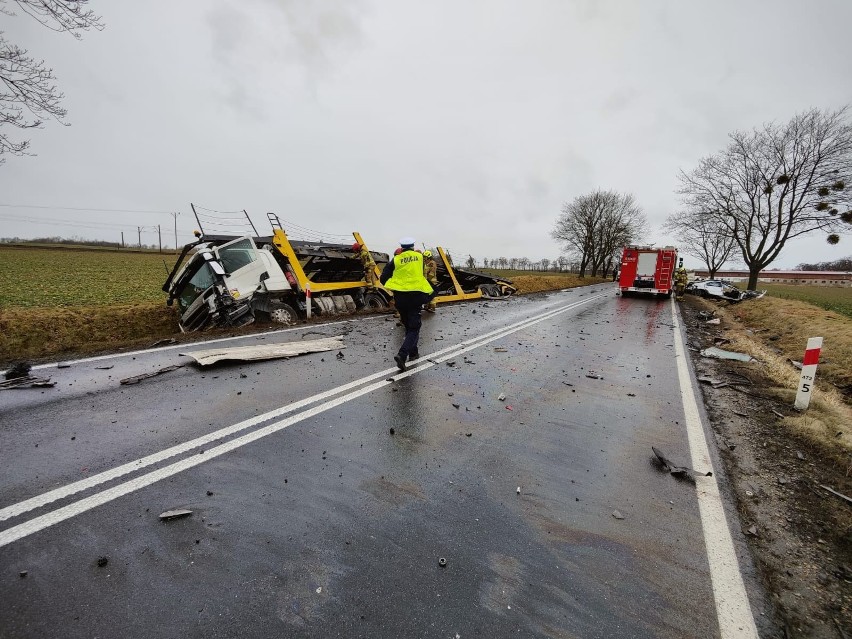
x=329 y=526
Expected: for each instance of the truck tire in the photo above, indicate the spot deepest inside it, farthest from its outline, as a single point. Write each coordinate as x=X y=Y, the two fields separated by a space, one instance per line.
x=375 y=302
x=283 y=314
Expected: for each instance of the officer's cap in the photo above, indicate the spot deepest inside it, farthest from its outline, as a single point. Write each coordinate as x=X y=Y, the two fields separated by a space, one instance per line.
x=407 y=242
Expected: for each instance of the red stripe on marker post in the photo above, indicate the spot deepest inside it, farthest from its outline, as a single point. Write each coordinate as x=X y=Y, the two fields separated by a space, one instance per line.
x=811 y=356
x=308 y=302
x=809 y=366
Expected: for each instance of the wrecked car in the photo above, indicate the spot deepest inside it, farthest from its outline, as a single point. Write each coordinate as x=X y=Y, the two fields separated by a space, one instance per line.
x=721 y=290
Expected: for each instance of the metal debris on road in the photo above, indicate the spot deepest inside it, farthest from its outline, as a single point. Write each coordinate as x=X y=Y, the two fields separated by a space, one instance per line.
x=266 y=351
x=175 y=514
x=442 y=562
x=673 y=468
x=138 y=378
x=719 y=353
x=27 y=382
x=617 y=514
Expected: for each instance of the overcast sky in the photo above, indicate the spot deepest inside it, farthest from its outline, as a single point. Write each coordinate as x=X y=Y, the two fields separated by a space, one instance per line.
x=464 y=123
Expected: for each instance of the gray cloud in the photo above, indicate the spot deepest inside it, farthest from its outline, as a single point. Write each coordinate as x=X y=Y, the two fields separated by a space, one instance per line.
x=466 y=124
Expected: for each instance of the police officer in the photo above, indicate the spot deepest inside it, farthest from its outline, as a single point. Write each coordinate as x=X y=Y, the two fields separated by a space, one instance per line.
x=368 y=264
x=681 y=279
x=430 y=272
x=404 y=276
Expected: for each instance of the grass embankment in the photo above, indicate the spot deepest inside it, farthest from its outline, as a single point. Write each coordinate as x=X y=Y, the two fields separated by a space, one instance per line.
x=64 y=301
x=774 y=331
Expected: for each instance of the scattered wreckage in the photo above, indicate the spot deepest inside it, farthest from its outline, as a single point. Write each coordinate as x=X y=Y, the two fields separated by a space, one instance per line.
x=720 y=289
x=231 y=275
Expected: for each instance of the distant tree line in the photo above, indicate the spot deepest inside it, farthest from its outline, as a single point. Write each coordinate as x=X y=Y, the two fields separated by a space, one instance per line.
x=74 y=241
x=843 y=264
x=558 y=264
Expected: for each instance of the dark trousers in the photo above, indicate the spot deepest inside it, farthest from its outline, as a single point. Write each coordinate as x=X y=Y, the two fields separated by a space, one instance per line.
x=409 y=305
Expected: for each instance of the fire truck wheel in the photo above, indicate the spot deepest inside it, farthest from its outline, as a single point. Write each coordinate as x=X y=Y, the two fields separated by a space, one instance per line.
x=374 y=302
x=283 y=314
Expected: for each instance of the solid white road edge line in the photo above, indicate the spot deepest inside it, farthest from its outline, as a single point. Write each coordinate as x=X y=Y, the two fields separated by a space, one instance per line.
x=125 y=469
x=733 y=611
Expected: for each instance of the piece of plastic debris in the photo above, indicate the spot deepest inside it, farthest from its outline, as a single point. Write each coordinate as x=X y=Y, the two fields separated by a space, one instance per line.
x=500 y=349
x=23 y=573
x=175 y=514
x=456 y=406
x=104 y=368
x=593 y=375
x=392 y=430
x=715 y=321
x=719 y=353
x=518 y=490
x=617 y=514
x=442 y=562
x=319 y=590
x=508 y=407
x=102 y=561
x=501 y=397
x=752 y=530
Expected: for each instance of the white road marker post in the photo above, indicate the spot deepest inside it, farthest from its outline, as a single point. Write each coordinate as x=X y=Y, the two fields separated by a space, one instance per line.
x=809 y=366
x=308 y=301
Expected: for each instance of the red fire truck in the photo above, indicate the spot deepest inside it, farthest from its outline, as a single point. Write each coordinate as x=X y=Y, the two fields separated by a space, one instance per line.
x=647 y=270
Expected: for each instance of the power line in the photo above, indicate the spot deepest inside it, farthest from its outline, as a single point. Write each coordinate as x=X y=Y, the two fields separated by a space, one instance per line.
x=72 y=208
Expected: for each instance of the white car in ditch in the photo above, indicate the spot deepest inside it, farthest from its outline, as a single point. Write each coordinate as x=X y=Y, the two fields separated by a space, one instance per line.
x=721 y=290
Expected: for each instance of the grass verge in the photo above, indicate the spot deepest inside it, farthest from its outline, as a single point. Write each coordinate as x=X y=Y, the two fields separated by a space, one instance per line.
x=775 y=331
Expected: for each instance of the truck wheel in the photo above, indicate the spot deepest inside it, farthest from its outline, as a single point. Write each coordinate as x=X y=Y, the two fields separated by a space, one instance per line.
x=375 y=302
x=283 y=314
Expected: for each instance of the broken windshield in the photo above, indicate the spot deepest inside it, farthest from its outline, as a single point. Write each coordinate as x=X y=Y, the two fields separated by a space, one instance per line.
x=197 y=284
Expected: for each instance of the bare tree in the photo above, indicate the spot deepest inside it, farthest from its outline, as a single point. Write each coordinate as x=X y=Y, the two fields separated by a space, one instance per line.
x=701 y=235
x=470 y=261
x=503 y=262
x=28 y=93
x=776 y=183
x=595 y=226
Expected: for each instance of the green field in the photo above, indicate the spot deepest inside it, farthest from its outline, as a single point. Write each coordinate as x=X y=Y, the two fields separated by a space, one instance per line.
x=51 y=277
x=830 y=298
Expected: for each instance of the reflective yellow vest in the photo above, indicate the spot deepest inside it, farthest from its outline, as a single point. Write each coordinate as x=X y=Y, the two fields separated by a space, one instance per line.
x=408 y=274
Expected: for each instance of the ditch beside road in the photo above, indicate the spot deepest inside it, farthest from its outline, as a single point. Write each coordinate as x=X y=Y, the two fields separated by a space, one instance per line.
x=778 y=462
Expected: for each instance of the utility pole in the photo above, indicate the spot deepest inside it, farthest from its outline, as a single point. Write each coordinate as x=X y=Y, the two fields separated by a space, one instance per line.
x=175 y=215
x=139 y=231
x=122 y=239
x=160 y=235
